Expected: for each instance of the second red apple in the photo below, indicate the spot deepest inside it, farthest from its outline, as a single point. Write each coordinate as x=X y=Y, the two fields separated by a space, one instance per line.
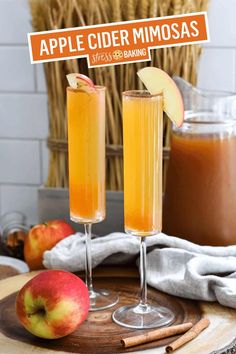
x=44 y=237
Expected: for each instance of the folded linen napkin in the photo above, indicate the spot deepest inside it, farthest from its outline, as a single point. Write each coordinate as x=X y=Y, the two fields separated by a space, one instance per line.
x=175 y=266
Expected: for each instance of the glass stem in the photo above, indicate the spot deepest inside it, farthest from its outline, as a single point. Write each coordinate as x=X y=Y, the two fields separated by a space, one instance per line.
x=88 y=258
x=142 y=270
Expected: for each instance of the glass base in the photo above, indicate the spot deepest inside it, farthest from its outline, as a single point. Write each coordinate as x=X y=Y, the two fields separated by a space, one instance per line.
x=143 y=316
x=78 y=220
x=101 y=299
x=139 y=233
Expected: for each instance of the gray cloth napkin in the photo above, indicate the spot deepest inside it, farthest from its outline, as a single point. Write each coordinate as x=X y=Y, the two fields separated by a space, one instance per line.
x=175 y=266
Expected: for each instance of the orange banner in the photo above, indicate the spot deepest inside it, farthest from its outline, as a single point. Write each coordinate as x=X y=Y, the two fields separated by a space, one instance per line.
x=119 y=42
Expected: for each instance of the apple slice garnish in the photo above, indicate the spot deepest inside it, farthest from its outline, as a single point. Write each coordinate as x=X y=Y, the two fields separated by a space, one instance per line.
x=158 y=81
x=80 y=81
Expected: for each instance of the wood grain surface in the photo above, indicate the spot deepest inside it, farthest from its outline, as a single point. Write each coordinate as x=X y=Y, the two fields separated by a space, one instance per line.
x=98 y=334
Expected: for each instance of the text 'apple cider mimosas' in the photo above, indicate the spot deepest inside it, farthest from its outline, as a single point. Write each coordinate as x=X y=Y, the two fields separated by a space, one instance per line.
x=200 y=197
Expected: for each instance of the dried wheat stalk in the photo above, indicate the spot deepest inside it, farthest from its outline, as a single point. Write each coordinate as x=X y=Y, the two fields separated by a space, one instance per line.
x=55 y=14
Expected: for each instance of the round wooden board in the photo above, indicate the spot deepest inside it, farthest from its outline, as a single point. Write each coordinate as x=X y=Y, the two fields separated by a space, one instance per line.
x=98 y=334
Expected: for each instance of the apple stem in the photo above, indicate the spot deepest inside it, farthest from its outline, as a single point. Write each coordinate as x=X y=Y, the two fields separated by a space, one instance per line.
x=39 y=311
x=88 y=258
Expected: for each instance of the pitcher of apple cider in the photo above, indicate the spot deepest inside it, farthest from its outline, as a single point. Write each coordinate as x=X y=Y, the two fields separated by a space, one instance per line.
x=200 y=196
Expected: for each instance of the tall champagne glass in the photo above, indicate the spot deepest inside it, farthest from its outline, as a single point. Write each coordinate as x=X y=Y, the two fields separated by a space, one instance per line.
x=86 y=140
x=143 y=131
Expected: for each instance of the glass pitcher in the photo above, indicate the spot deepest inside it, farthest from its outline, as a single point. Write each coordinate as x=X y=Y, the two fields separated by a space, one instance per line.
x=200 y=197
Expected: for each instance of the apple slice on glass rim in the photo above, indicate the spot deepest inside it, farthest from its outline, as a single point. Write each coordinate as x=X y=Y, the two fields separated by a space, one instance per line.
x=80 y=82
x=158 y=81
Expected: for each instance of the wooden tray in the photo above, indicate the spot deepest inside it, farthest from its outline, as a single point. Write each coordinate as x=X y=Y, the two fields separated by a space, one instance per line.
x=99 y=334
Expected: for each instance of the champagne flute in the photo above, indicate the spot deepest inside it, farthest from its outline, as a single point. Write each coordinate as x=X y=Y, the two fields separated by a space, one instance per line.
x=142 y=132
x=86 y=142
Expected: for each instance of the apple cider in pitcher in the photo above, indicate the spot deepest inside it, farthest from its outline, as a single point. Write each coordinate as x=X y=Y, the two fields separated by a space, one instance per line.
x=200 y=198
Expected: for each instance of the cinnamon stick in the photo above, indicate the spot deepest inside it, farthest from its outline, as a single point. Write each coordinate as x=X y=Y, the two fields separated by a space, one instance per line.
x=156 y=334
x=188 y=336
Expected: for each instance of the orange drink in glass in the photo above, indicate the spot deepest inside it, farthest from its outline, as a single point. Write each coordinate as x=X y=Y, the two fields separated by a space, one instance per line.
x=86 y=142
x=86 y=129
x=143 y=126
x=143 y=131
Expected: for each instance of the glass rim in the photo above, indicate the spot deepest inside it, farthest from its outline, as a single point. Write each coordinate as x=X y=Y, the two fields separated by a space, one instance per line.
x=197 y=118
x=216 y=93
x=97 y=87
x=140 y=94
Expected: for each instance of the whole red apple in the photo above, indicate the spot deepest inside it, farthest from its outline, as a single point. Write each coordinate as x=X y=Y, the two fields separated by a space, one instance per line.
x=53 y=304
x=43 y=237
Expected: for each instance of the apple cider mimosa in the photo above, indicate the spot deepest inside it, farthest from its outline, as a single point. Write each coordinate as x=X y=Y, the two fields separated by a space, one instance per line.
x=142 y=132
x=86 y=142
x=142 y=125
x=86 y=129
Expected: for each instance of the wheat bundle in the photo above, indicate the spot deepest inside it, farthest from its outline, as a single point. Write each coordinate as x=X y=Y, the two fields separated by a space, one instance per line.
x=56 y=14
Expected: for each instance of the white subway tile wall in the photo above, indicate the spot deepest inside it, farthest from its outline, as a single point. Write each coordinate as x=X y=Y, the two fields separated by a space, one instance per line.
x=23 y=114
x=23 y=198
x=15 y=21
x=217 y=69
x=20 y=162
x=40 y=78
x=23 y=102
x=16 y=71
x=217 y=66
x=222 y=23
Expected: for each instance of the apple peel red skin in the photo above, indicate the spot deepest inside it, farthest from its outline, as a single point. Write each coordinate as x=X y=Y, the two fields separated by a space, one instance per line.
x=54 y=287
x=44 y=237
x=86 y=80
x=81 y=82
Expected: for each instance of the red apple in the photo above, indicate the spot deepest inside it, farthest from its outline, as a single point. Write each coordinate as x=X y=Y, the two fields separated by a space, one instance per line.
x=43 y=237
x=80 y=81
x=52 y=304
